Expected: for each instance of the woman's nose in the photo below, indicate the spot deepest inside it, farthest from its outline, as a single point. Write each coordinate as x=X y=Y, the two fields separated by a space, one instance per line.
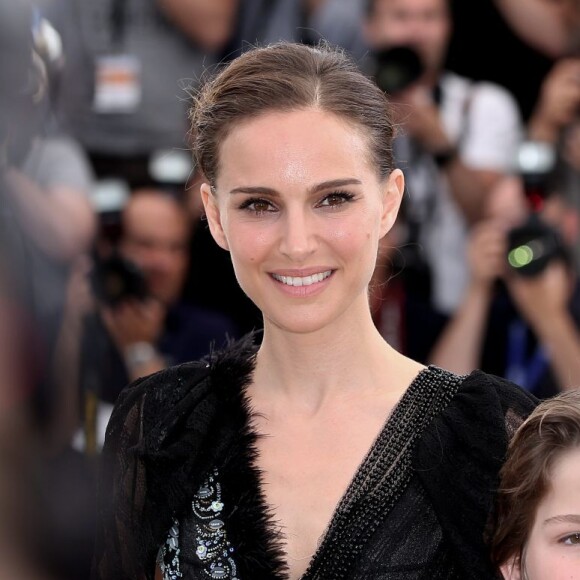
x=298 y=238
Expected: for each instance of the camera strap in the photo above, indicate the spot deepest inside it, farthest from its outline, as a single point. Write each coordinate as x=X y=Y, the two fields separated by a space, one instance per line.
x=525 y=371
x=118 y=22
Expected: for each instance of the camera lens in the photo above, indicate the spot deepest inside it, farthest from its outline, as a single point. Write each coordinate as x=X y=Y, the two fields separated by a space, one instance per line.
x=117 y=279
x=536 y=249
x=397 y=68
x=532 y=246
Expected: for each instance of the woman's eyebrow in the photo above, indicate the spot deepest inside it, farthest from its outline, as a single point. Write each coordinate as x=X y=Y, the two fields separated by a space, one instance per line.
x=256 y=190
x=260 y=190
x=563 y=519
x=334 y=183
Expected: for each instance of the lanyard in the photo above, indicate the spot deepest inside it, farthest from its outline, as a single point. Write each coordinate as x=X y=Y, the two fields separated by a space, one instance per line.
x=524 y=371
x=118 y=22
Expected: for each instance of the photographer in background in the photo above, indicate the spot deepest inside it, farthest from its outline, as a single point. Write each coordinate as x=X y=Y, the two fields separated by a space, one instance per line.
x=122 y=91
x=125 y=87
x=133 y=319
x=520 y=315
x=459 y=138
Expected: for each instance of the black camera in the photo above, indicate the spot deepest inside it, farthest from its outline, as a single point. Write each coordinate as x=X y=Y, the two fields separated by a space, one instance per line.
x=535 y=243
x=396 y=68
x=117 y=279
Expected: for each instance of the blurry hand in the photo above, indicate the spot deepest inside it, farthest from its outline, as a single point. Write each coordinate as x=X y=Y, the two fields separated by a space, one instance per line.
x=486 y=252
x=419 y=116
x=506 y=202
x=79 y=297
x=134 y=321
x=541 y=298
x=559 y=101
x=571 y=146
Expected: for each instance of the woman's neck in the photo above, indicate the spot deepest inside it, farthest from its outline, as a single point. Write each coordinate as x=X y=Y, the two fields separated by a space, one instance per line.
x=307 y=370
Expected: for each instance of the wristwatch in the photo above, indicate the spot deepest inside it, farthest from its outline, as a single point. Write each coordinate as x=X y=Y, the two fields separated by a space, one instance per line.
x=138 y=354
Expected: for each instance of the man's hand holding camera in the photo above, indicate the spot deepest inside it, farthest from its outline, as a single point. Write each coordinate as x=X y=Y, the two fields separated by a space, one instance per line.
x=539 y=298
x=421 y=119
x=542 y=299
x=486 y=253
x=135 y=327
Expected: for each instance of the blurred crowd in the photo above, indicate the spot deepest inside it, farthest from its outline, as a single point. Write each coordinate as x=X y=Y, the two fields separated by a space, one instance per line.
x=107 y=269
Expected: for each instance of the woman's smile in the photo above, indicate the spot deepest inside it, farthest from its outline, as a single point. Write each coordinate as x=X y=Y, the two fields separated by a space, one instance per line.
x=303 y=286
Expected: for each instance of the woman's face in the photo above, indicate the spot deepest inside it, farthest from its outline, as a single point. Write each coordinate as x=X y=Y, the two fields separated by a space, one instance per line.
x=553 y=549
x=301 y=210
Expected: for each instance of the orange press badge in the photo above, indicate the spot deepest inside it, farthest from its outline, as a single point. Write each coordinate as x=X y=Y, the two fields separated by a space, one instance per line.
x=117 y=84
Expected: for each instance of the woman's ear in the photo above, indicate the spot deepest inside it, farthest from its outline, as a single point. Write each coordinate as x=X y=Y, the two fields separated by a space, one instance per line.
x=511 y=570
x=213 y=215
x=392 y=198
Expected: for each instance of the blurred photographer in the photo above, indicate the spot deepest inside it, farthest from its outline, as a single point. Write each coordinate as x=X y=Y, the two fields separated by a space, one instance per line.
x=458 y=140
x=125 y=87
x=134 y=320
x=520 y=315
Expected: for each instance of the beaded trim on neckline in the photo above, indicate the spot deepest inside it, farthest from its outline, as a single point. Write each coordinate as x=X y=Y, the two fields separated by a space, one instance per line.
x=382 y=476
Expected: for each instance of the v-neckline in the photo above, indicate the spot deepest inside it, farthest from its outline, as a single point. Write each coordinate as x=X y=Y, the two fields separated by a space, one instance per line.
x=342 y=503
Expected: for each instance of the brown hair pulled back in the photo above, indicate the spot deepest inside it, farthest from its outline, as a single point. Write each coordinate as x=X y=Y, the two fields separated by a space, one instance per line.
x=551 y=429
x=285 y=77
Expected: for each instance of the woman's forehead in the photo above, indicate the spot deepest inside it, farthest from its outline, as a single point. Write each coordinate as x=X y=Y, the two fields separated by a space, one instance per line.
x=293 y=144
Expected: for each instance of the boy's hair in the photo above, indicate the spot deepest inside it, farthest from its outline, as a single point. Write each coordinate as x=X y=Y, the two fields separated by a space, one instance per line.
x=550 y=430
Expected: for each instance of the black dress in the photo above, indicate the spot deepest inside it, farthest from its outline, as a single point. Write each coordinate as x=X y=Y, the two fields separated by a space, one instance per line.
x=180 y=486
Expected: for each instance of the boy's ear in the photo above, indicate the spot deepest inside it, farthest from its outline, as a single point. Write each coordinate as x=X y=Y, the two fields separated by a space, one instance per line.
x=213 y=215
x=392 y=198
x=511 y=570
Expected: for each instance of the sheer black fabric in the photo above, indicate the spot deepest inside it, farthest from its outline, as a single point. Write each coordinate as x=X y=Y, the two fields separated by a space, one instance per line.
x=416 y=509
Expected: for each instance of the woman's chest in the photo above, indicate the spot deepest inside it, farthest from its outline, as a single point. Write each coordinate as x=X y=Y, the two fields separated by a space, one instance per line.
x=302 y=486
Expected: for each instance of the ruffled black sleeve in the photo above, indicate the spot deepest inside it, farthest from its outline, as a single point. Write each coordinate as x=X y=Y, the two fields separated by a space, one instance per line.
x=140 y=467
x=166 y=433
x=458 y=461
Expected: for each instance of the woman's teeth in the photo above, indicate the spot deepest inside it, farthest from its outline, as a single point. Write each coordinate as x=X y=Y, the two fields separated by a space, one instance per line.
x=305 y=281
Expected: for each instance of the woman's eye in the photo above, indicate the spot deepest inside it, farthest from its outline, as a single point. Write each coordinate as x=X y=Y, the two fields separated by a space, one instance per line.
x=572 y=539
x=336 y=198
x=257 y=206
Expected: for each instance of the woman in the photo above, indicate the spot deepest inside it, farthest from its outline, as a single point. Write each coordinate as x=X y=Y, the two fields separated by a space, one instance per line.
x=537 y=524
x=317 y=451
